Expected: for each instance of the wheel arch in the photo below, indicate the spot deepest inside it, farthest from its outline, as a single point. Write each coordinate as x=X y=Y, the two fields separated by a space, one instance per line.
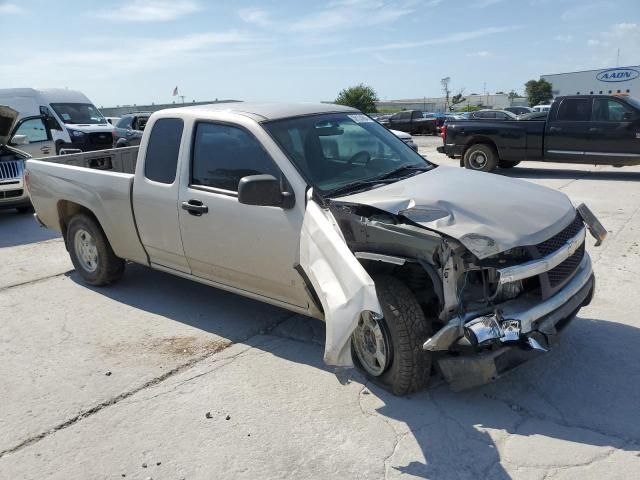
x=67 y=210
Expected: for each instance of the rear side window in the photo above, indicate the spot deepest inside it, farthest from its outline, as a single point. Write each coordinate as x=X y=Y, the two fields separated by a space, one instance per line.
x=607 y=110
x=223 y=154
x=161 y=159
x=574 y=110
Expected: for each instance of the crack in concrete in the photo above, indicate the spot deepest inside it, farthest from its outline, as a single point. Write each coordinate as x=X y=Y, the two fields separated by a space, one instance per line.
x=129 y=393
x=35 y=280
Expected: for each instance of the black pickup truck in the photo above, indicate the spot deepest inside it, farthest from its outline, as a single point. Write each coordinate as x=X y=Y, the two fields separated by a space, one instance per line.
x=591 y=129
x=413 y=122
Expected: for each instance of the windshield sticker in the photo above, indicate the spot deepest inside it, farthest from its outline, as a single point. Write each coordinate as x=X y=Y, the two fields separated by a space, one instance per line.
x=66 y=117
x=360 y=118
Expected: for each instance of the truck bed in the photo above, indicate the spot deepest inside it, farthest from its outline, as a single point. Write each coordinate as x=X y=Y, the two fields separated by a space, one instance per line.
x=121 y=160
x=514 y=139
x=100 y=182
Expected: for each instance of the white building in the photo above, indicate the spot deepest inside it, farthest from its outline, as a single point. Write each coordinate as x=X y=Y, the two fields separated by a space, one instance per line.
x=596 y=82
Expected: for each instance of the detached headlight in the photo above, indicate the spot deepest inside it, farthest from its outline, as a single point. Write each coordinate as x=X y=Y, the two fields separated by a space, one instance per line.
x=77 y=134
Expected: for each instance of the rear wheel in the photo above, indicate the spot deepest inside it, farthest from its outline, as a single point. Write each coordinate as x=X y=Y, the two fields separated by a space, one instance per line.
x=507 y=164
x=91 y=253
x=388 y=349
x=480 y=157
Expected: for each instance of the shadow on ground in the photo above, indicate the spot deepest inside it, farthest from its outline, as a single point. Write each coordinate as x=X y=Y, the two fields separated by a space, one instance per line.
x=568 y=174
x=583 y=392
x=21 y=229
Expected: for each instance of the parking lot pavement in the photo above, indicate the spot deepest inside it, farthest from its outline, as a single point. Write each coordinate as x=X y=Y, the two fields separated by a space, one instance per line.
x=179 y=353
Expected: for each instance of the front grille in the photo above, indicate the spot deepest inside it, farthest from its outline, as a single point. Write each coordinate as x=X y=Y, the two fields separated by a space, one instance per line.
x=10 y=194
x=101 y=138
x=557 y=277
x=11 y=169
x=554 y=243
x=563 y=272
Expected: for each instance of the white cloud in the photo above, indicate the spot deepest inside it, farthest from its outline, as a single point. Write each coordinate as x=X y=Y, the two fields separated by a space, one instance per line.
x=564 y=38
x=441 y=40
x=624 y=36
x=149 y=54
x=584 y=11
x=345 y=14
x=481 y=53
x=11 y=9
x=256 y=16
x=150 y=10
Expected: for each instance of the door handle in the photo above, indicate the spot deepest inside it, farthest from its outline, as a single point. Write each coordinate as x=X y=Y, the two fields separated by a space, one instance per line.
x=195 y=207
x=595 y=130
x=555 y=129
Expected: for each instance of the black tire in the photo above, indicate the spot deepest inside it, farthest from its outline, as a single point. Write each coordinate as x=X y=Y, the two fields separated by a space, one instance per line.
x=108 y=267
x=25 y=209
x=58 y=147
x=507 y=164
x=481 y=158
x=406 y=329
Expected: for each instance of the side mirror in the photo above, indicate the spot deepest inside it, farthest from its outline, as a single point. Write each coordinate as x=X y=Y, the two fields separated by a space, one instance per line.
x=628 y=116
x=264 y=190
x=19 y=140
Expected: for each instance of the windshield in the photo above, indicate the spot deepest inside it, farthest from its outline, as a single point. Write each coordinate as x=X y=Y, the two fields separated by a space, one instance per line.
x=634 y=102
x=78 y=113
x=336 y=151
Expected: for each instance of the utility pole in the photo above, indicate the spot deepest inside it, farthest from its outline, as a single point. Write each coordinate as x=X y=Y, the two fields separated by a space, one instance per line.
x=618 y=58
x=182 y=97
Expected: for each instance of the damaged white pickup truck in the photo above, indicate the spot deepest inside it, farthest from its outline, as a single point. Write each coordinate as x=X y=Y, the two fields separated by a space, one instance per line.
x=322 y=211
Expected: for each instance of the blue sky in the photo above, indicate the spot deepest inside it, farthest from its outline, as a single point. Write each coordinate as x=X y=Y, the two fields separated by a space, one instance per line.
x=137 y=51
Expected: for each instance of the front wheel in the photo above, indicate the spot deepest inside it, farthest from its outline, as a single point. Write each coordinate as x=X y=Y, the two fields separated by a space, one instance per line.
x=91 y=253
x=480 y=157
x=388 y=349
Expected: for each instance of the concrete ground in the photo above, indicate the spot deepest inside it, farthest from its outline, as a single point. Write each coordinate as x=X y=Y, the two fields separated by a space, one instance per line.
x=158 y=377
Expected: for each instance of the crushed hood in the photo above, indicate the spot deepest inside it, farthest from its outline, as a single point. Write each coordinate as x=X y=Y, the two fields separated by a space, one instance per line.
x=487 y=213
x=8 y=117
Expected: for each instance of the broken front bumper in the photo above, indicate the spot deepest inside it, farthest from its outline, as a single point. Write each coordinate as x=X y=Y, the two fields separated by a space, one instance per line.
x=539 y=320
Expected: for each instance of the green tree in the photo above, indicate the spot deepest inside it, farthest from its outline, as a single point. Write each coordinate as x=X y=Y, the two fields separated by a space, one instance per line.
x=538 y=92
x=457 y=99
x=362 y=97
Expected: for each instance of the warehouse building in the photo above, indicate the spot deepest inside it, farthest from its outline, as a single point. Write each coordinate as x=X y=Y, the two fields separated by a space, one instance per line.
x=624 y=80
x=438 y=104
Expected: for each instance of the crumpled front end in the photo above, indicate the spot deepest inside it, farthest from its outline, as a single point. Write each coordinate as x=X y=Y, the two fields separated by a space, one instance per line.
x=534 y=298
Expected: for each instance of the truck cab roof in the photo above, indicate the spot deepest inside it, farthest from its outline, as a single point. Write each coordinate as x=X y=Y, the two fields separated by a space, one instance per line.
x=266 y=111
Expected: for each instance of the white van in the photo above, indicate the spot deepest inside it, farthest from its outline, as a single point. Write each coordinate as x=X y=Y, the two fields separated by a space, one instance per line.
x=542 y=108
x=68 y=117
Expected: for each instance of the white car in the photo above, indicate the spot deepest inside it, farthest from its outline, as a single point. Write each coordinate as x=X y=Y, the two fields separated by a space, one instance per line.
x=542 y=108
x=406 y=138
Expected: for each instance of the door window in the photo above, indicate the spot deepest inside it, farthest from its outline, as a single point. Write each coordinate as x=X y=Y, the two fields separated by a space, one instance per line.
x=34 y=129
x=606 y=110
x=161 y=159
x=223 y=154
x=574 y=110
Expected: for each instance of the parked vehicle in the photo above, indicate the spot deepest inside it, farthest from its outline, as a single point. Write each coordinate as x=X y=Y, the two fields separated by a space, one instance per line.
x=491 y=115
x=129 y=128
x=412 y=122
x=112 y=120
x=406 y=138
x=12 y=191
x=322 y=211
x=518 y=110
x=534 y=116
x=74 y=122
x=591 y=129
x=541 y=108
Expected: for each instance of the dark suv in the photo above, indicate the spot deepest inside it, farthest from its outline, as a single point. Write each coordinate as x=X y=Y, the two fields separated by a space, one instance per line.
x=129 y=128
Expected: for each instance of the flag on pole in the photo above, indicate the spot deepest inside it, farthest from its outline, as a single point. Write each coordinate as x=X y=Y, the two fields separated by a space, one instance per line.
x=175 y=92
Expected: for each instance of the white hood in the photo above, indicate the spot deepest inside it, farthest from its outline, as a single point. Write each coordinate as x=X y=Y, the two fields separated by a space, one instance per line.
x=8 y=118
x=487 y=213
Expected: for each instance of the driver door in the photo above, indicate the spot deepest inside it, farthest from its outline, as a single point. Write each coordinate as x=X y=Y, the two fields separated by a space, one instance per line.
x=248 y=247
x=32 y=135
